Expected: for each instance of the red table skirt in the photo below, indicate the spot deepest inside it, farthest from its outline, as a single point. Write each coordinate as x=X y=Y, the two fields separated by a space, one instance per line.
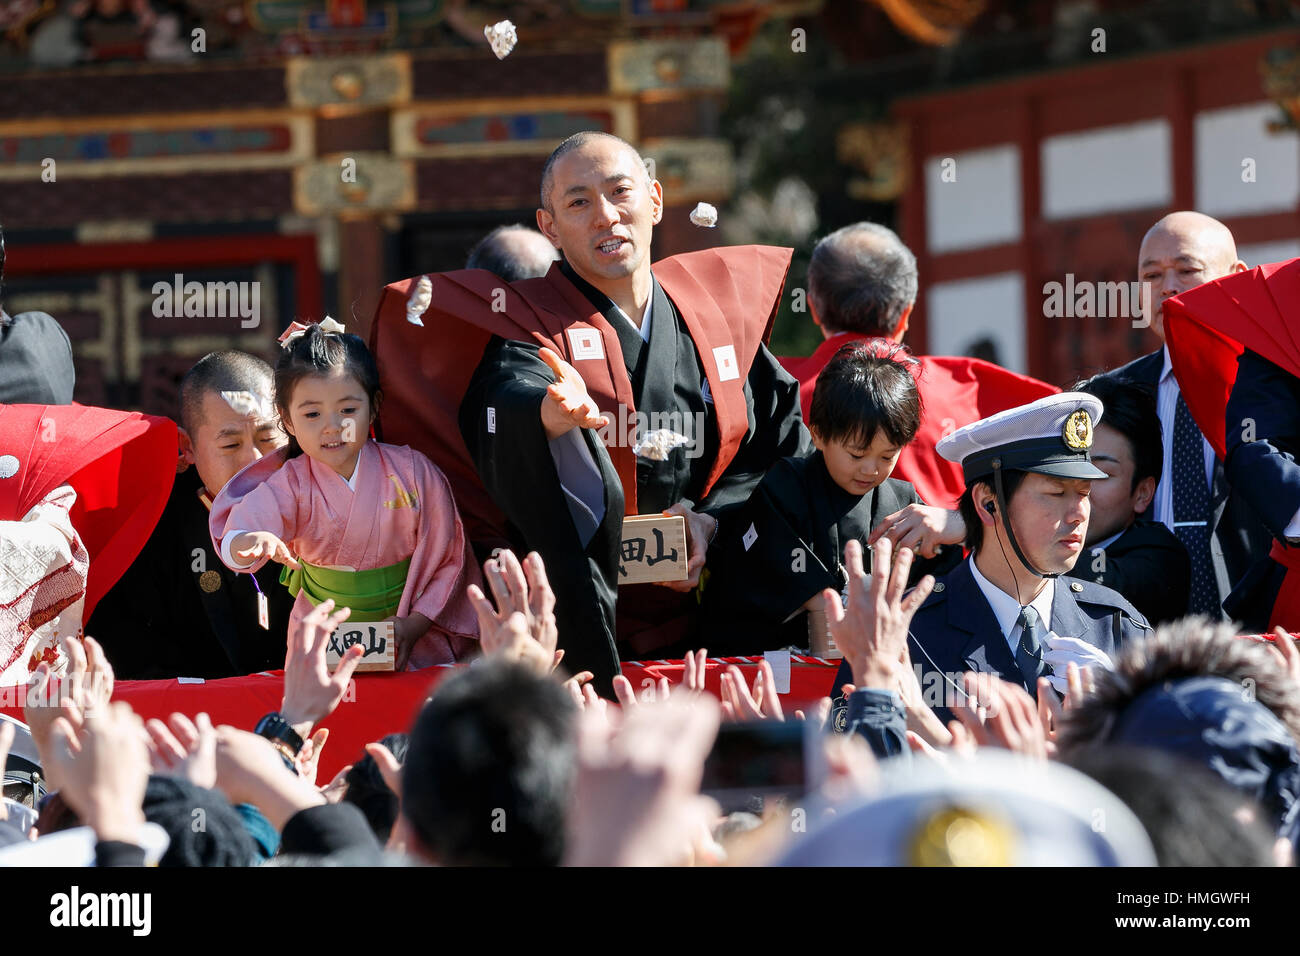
x=380 y=704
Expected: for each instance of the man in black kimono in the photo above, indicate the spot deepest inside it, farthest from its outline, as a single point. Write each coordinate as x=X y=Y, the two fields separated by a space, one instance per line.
x=578 y=366
x=178 y=611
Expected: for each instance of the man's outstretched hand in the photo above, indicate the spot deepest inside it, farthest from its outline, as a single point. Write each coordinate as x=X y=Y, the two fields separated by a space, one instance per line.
x=567 y=405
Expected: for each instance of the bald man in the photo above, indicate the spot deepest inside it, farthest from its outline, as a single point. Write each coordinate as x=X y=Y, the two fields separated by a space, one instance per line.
x=513 y=253
x=1222 y=533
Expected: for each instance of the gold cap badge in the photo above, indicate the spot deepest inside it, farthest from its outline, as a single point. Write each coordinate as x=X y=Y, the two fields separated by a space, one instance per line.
x=956 y=836
x=1077 y=433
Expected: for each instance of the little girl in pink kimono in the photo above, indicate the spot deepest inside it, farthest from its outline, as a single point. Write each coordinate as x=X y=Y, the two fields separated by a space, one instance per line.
x=372 y=526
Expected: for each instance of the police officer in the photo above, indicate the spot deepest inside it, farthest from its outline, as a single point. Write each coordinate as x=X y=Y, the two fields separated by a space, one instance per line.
x=1003 y=611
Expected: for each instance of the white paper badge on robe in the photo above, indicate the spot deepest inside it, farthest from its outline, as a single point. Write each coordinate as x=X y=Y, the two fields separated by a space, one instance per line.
x=725 y=358
x=420 y=299
x=503 y=38
x=750 y=537
x=492 y=420
x=704 y=215
x=585 y=344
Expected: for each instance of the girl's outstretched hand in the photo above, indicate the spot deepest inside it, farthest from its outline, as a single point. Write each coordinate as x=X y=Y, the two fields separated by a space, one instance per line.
x=255 y=545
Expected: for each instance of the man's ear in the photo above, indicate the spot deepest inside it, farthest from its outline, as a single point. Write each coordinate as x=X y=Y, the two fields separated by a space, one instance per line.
x=657 y=200
x=902 y=324
x=817 y=439
x=546 y=226
x=1144 y=494
x=184 y=450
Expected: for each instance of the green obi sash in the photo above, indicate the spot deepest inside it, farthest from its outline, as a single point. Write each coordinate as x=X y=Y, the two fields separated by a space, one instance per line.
x=373 y=595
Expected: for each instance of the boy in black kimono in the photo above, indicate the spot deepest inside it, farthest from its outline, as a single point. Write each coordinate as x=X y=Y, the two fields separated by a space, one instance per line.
x=775 y=554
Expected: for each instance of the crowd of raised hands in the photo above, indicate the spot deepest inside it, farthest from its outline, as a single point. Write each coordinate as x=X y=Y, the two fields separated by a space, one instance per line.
x=634 y=795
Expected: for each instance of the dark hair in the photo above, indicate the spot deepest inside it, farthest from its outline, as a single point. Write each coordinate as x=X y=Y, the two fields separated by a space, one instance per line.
x=224 y=371
x=2 y=270
x=490 y=766
x=1129 y=407
x=1191 y=647
x=862 y=279
x=367 y=791
x=1189 y=813
x=1186 y=650
x=867 y=389
x=1011 y=480
x=577 y=141
x=204 y=829
x=495 y=253
x=317 y=352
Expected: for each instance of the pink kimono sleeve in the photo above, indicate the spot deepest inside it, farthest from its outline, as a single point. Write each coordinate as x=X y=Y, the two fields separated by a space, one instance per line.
x=262 y=497
x=443 y=565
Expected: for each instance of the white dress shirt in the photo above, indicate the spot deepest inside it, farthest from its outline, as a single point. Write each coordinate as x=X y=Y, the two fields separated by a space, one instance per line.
x=1007 y=609
x=1167 y=405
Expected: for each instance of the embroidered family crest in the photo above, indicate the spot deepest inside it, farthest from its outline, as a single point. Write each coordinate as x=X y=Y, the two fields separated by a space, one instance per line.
x=404 y=499
x=585 y=344
x=1077 y=432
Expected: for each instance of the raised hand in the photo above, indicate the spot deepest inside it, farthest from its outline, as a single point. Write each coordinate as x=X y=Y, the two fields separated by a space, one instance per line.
x=739 y=703
x=102 y=770
x=872 y=630
x=311 y=692
x=567 y=405
x=184 y=748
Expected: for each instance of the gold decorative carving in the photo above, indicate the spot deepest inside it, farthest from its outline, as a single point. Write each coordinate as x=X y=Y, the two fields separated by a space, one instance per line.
x=348 y=81
x=696 y=64
x=370 y=183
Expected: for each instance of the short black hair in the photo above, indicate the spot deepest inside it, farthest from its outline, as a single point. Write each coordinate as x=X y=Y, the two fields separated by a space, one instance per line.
x=317 y=352
x=1011 y=480
x=867 y=389
x=490 y=767
x=497 y=256
x=1129 y=407
x=1189 y=813
x=862 y=278
x=225 y=371
x=577 y=141
x=2 y=270
x=367 y=791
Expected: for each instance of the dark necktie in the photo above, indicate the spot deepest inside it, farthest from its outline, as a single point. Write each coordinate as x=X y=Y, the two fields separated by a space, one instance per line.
x=1192 y=511
x=1029 y=653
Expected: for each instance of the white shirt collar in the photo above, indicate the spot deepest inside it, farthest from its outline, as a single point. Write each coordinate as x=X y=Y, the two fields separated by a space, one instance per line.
x=644 y=330
x=1168 y=367
x=1007 y=609
x=1103 y=545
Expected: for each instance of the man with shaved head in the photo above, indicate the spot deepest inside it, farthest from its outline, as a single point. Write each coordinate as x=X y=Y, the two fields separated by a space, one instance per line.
x=1219 y=529
x=178 y=611
x=513 y=253
x=573 y=370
